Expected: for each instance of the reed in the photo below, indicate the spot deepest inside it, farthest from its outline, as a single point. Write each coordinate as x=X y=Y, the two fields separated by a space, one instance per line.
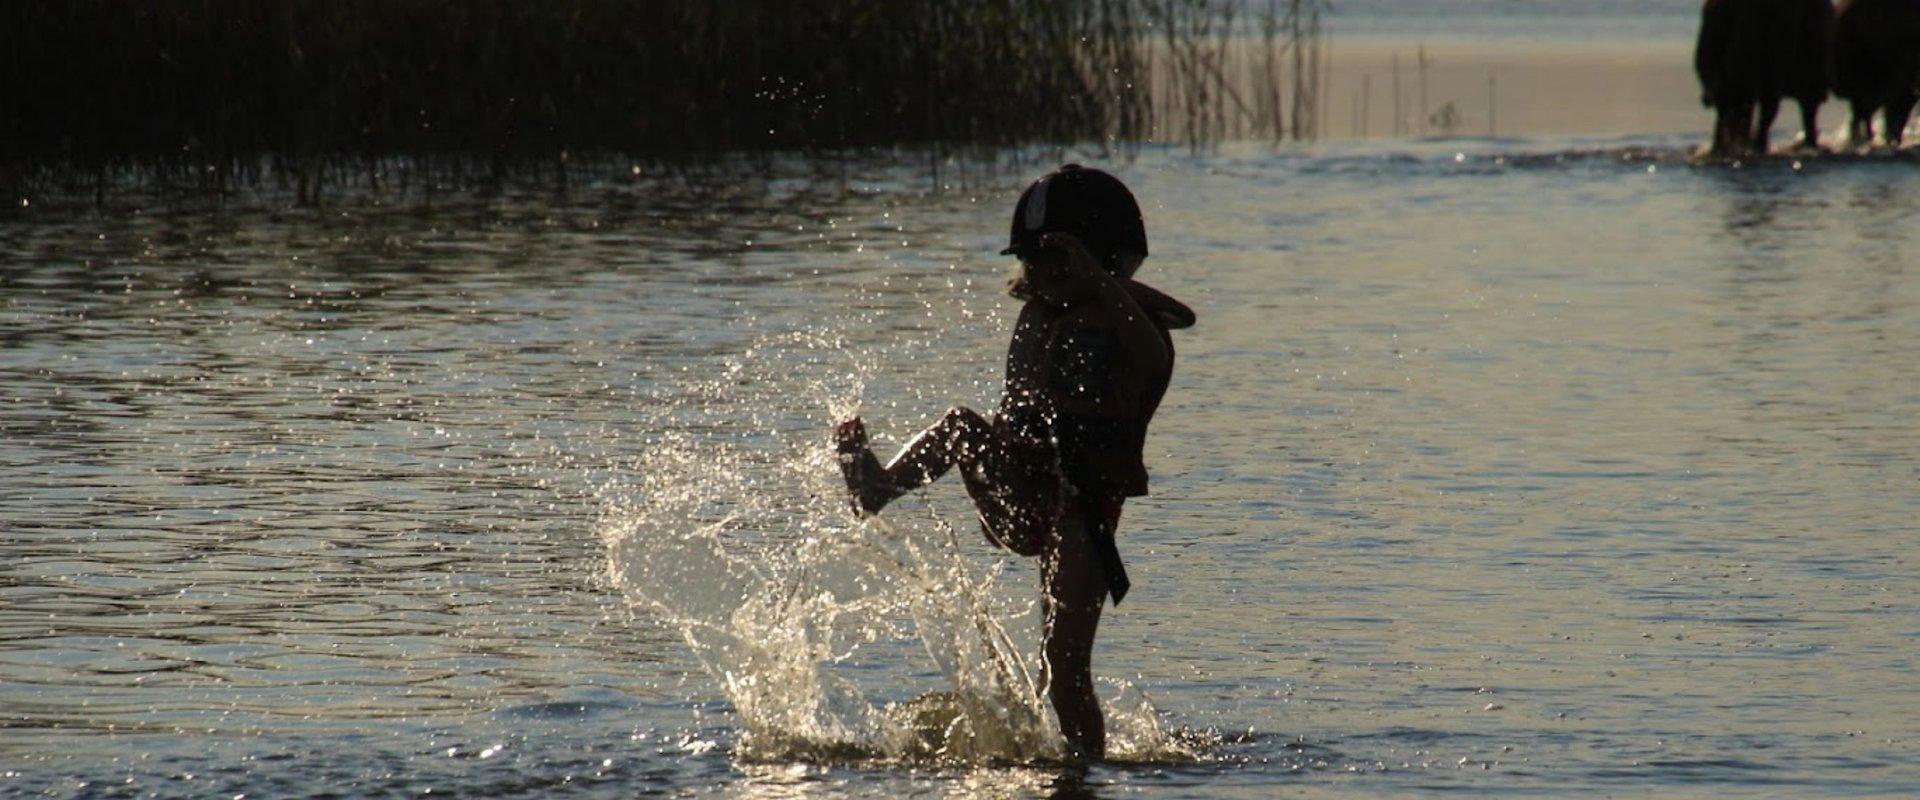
x=222 y=92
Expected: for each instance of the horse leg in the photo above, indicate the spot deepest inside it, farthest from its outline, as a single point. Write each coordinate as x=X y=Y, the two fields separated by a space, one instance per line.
x=1860 y=127
x=1732 y=122
x=1810 y=122
x=1898 y=111
x=1763 y=128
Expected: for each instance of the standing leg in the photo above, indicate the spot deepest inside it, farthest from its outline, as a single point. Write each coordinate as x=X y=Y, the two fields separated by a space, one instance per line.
x=1899 y=109
x=1810 y=122
x=1860 y=127
x=1763 y=127
x=1733 y=128
x=1076 y=588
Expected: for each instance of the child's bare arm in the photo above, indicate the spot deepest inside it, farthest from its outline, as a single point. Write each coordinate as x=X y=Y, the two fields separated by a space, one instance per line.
x=1145 y=347
x=1027 y=357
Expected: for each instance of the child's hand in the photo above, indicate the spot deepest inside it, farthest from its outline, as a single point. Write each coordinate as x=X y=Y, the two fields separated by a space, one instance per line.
x=1079 y=263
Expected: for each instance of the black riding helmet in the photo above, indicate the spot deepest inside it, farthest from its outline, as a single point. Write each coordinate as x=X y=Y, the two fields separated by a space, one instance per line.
x=1088 y=203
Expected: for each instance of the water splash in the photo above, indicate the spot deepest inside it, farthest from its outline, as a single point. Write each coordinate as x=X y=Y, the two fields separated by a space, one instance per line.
x=818 y=628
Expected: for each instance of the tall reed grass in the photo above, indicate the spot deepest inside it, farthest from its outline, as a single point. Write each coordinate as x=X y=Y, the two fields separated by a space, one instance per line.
x=221 y=91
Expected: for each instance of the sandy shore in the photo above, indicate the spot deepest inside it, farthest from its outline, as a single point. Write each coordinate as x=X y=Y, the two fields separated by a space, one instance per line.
x=1504 y=88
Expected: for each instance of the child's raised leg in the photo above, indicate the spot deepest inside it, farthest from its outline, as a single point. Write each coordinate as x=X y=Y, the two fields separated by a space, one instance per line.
x=1014 y=484
x=961 y=436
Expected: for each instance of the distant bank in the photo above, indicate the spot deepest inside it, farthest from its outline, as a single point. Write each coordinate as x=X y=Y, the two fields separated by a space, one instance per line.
x=1385 y=86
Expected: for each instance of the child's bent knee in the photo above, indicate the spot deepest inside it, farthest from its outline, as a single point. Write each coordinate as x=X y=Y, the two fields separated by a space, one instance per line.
x=964 y=417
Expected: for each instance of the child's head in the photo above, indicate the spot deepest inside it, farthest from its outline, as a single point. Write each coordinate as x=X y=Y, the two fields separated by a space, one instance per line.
x=1088 y=203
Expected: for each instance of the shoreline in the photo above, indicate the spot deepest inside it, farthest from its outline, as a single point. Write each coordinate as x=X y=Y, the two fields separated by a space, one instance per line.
x=1508 y=88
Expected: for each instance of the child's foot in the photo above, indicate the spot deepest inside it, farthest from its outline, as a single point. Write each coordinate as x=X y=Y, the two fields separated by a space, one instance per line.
x=866 y=479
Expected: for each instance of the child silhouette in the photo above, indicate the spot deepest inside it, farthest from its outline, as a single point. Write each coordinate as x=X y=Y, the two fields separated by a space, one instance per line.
x=1089 y=360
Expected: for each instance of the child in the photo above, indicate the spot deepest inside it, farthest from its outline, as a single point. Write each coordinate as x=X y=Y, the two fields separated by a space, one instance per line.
x=1088 y=363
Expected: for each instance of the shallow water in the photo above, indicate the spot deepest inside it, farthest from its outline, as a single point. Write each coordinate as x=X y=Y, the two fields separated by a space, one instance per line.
x=1527 y=467
x=1505 y=21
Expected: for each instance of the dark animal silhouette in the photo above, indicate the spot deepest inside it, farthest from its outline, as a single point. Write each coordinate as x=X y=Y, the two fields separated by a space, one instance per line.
x=1877 y=64
x=1752 y=53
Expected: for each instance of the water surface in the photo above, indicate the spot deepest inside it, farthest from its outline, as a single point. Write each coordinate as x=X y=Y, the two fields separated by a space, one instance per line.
x=1530 y=467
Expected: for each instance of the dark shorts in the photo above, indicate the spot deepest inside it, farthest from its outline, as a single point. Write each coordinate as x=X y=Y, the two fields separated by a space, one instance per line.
x=1021 y=494
x=1107 y=507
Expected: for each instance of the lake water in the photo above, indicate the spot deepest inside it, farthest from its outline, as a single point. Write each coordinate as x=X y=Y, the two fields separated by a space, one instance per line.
x=1544 y=467
x=1508 y=21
